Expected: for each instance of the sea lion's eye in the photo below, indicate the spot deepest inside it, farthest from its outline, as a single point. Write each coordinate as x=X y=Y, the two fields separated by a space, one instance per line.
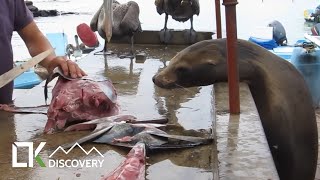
x=182 y=70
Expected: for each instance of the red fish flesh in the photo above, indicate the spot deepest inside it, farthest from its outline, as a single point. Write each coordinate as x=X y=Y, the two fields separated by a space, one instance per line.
x=80 y=100
x=133 y=168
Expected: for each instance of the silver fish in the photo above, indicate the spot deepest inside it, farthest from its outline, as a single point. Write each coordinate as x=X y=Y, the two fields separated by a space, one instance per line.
x=126 y=131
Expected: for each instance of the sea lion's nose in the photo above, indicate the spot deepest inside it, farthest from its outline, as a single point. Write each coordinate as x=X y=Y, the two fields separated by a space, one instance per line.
x=154 y=79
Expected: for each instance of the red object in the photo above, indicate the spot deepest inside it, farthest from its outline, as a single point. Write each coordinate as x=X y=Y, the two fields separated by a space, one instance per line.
x=87 y=36
x=233 y=72
x=133 y=168
x=80 y=100
x=218 y=19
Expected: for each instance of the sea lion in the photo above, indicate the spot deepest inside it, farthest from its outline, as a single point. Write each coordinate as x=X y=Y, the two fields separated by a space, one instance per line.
x=279 y=91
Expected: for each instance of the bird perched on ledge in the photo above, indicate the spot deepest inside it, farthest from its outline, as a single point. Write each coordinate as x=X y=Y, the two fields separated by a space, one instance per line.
x=180 y=10
x=125 y=20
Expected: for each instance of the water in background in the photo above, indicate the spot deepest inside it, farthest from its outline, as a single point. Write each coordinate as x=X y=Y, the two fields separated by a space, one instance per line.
x=250 y=14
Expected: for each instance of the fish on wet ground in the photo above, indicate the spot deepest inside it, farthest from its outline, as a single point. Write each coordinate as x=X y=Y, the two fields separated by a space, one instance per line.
x=133 y=167
x=121 y=131
x=75 y=100
x=24 y=110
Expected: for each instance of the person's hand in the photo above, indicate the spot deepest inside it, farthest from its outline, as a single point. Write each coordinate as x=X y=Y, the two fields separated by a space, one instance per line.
x=68 y=67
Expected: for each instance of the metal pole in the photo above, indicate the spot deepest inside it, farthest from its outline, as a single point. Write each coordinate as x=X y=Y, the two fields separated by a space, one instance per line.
x=218 y=19
x=233 y=75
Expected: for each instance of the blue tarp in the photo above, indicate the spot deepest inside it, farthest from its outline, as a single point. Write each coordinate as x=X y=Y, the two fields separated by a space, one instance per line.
x=26 y=80
x=266 y=43
x=59 y=42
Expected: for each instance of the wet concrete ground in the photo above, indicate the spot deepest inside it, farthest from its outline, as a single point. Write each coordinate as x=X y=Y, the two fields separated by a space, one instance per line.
x=137 y=96
x=243 y=151
x=191 y=109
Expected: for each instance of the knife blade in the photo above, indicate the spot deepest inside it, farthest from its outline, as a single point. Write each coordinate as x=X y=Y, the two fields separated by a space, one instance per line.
x=18 y=70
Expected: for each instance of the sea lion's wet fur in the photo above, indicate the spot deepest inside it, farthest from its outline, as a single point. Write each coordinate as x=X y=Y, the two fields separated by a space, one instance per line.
x=279 y=91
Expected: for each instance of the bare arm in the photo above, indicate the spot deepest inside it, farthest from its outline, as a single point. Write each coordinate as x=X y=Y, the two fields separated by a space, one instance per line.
x=36 y=43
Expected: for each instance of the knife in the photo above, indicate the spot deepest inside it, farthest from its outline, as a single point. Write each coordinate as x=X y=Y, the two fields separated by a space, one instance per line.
x=18 y=70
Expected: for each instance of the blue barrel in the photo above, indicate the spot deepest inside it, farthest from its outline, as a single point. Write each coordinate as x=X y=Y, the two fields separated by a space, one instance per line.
x=308 y=65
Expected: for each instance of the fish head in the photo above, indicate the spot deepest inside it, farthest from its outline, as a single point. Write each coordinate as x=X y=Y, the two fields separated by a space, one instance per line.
x=101 y=95
x=81 y=100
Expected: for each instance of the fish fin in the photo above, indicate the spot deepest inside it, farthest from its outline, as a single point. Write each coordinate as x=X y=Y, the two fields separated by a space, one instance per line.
x=49 y=79
x=81 y=127
x=153 y=121
x=91 y=137
x=46 y=91
x=184 y=138
x=172 y=146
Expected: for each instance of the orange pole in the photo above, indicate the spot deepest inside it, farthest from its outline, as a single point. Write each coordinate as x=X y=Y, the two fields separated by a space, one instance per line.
x=218 y=19
x=233 y=74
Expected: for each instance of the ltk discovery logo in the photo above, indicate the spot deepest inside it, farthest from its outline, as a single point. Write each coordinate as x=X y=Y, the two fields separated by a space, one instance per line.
x=53 y=162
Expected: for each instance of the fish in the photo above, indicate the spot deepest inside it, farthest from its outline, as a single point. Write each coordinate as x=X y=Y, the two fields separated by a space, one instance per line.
x=42 y=109
x=133 y=167
x=80 y=99
x=99 y=126
x=58 y=72
x=126 y=131
x=127 y=134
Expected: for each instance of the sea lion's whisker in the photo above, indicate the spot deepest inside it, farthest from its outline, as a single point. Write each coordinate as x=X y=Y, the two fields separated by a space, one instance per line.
x=184 y=88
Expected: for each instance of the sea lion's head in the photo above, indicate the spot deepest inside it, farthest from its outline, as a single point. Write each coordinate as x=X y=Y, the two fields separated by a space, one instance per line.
x=201 y=64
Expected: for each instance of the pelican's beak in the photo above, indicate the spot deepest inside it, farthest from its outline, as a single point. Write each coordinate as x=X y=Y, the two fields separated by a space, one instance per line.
x=108 y=18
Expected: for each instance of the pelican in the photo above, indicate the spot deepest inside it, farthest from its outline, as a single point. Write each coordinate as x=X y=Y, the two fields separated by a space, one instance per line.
x=102 y=22
x=180 y=10
x=120 y=20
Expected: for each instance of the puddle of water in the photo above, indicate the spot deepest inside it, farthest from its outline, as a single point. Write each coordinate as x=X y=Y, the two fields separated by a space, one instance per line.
x=171 y=172
x=137 y=96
